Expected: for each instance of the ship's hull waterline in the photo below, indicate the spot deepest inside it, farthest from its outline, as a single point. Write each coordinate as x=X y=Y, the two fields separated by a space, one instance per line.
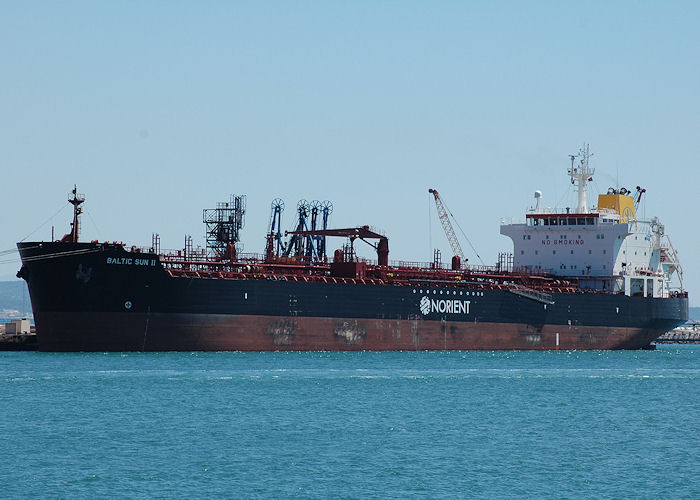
x=118 y=332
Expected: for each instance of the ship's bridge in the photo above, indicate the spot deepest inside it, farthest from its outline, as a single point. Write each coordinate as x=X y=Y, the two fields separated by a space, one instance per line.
x=552 y=219
x=606 y=247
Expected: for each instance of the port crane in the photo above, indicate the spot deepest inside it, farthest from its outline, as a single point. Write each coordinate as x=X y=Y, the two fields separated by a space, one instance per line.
x=449 y=231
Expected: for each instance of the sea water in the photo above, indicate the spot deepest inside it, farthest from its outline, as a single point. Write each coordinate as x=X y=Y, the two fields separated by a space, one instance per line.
x=351 y=425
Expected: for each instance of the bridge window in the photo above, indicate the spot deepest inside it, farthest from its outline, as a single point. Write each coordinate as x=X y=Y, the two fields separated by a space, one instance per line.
x=589 y=221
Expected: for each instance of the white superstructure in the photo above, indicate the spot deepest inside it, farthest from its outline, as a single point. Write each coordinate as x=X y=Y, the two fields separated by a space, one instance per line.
x=606 y=247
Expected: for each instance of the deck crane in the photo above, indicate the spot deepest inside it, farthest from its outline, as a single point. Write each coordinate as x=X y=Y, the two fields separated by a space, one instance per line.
x=458 y=258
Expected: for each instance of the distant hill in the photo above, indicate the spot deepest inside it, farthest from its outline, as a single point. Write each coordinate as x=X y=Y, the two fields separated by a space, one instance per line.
x=14 y=300
x=694 y=314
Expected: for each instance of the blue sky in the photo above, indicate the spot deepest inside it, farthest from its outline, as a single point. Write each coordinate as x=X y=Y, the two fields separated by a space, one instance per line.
x=159 y=109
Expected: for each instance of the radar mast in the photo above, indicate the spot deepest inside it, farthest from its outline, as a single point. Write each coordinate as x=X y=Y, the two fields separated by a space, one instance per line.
x=580 y=175
x=76 y=199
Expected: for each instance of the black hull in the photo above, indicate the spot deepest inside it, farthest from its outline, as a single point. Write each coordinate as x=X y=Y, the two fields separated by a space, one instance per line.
x=98 y=297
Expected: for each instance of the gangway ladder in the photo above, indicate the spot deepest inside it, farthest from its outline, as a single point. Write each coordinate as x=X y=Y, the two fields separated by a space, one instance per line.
x=529 y=293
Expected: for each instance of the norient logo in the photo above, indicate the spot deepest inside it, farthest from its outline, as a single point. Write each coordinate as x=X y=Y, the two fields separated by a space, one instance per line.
x=450 y=306
x=424 y=305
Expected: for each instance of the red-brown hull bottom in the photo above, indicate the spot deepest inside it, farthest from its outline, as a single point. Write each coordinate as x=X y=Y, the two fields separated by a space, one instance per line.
x=205 y=332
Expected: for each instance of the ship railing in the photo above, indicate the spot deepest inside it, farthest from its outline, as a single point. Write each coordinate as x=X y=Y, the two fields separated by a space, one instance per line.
x=200 y=257
x=182 y=256
x=508 y=221
x=443 y=267
x=250 y=257
x=138 y=249
x=407 y=264
x=248 y=263
x=198 y=260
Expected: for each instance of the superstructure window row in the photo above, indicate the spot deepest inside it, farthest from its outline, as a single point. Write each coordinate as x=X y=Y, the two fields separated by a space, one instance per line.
x=561 y=221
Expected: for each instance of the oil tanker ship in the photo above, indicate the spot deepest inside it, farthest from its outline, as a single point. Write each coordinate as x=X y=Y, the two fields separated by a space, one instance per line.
x=579 y=278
